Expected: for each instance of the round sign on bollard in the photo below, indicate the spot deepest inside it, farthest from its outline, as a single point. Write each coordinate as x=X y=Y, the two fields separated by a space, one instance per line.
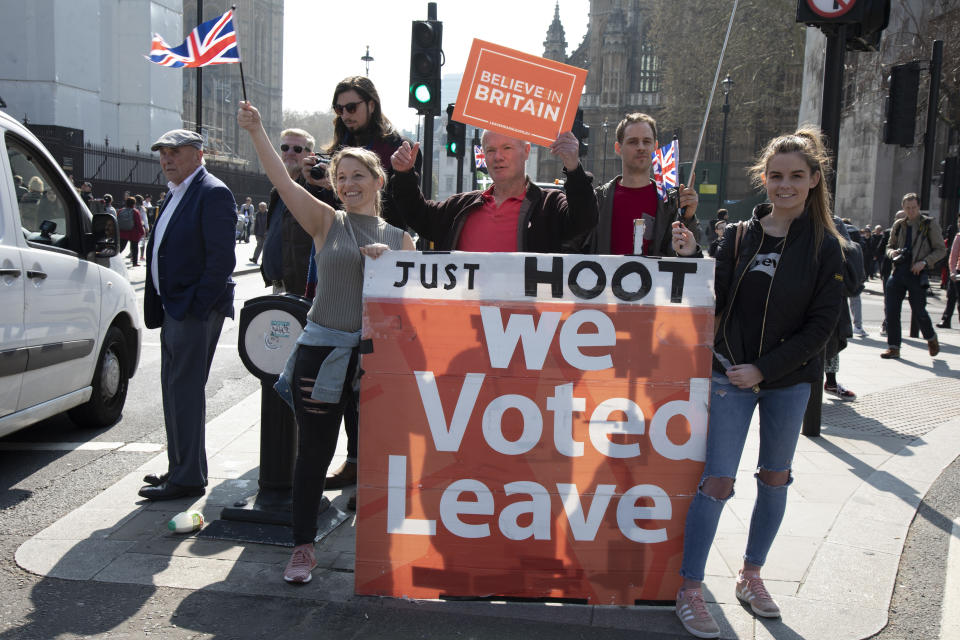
x=269 y=328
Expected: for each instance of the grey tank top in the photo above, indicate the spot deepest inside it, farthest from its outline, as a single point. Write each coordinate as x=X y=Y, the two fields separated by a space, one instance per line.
x=339 y=300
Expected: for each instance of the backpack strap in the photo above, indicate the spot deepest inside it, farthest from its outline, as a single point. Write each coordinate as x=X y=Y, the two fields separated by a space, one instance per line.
x=741 y=229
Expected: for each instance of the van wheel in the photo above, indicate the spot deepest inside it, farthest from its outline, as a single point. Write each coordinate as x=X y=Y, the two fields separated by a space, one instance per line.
x=110 y=382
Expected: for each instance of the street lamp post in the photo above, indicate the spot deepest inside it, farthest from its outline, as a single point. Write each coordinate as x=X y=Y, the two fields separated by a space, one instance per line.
x=605 y=125
x=726 y=85
x=367 y=59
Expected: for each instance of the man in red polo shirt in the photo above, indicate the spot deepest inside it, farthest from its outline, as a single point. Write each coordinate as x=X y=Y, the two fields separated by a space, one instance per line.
x=513 y=214
x=633 y=194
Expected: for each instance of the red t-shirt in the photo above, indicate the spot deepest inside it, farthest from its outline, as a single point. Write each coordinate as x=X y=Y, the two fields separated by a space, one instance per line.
x=630 y=203
x=491 y=228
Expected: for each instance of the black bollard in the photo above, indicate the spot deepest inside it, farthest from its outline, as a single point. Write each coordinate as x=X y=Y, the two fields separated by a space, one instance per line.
x=269 y=328
x=811 y=417
x=278 y=451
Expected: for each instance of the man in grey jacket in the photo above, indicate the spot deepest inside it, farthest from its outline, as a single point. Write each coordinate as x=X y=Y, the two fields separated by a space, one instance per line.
x=915 y=245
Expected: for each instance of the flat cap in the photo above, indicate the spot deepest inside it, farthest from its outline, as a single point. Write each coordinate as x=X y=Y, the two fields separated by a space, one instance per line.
x=178 y=138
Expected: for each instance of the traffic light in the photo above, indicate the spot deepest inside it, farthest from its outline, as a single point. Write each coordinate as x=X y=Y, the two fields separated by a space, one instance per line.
x=582 y=132
x=901 y=113
x=949 y=178
x=425 y=58
x=456 y=135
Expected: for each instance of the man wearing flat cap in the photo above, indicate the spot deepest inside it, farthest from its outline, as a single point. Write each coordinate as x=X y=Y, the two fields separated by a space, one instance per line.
x=188 y=293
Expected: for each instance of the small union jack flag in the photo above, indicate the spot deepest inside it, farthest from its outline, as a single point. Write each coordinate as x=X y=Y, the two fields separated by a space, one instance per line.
x=213 y=42
x=665 y=173
x=481 y=159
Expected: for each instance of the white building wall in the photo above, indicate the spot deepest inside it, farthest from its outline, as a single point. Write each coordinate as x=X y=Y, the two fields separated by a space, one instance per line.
x=80 y=64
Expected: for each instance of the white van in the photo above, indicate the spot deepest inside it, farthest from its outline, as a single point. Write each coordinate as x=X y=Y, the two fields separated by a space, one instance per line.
x=69 y=327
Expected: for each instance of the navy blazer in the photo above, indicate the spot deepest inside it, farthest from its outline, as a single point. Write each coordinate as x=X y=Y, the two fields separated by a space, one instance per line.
x=196 y=255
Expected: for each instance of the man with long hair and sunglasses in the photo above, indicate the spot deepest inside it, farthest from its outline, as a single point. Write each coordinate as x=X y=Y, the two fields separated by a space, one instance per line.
x=359 y=122
x=287 y=247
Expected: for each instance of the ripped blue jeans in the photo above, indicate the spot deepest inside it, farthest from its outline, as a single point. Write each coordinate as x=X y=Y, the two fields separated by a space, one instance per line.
x=731 y=409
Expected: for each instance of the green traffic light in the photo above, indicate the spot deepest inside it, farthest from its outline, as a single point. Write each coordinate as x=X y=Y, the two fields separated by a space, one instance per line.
x=453 y=147
x=422 y=93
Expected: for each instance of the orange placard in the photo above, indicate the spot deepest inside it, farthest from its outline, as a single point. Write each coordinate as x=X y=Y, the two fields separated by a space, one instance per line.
x=518 y=94
x=531 y=426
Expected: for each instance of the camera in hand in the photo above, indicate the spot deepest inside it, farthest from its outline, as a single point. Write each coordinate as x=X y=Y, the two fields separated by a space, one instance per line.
x=901 y=258
x=319 y=170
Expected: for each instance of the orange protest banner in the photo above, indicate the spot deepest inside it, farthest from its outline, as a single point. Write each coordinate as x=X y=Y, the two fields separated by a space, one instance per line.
x=531 y=426
x=517 y=94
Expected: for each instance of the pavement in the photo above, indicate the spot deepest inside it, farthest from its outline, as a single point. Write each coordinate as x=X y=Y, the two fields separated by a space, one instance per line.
x=832 y=568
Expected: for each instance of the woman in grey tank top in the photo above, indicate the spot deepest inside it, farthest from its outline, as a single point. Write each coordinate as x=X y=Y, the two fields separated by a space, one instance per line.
x=324 y=364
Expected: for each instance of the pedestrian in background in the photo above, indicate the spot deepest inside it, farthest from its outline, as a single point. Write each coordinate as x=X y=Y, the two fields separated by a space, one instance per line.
x=953 y=267
x=259 y=230
x=145 y=219
x=915 y=245
x=130 y=225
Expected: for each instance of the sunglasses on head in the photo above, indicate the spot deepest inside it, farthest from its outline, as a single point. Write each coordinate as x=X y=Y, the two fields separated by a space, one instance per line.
x=296 y=148
x=350 y=107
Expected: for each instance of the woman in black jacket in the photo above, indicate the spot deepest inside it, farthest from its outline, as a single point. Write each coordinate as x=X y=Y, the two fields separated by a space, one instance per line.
x=778 y=284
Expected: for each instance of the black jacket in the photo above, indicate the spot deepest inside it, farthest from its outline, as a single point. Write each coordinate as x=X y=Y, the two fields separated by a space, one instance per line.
x=598 y=241
x=548 y=218
x=296 y=243
x=803 y=303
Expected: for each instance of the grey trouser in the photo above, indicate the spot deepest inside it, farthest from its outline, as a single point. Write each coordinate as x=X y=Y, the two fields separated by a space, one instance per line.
x=186 y=352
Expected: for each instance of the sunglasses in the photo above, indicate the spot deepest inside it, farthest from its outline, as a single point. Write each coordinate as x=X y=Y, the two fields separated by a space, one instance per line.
x=296 y=148
x=350 y=107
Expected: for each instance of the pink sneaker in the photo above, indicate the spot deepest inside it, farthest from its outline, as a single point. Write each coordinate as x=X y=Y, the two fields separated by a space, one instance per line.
x=302 y=562
x=750 y=590
x=693 y=614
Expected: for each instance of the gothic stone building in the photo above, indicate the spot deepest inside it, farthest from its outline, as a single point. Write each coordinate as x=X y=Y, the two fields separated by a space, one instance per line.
x=623 y=77
x=628 y=73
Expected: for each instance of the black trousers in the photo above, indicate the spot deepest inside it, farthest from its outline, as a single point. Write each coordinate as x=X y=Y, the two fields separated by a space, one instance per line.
x=951 y=301
x=318 y=427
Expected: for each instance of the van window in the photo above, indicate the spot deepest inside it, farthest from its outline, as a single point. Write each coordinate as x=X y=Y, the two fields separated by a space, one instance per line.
x=40 y=197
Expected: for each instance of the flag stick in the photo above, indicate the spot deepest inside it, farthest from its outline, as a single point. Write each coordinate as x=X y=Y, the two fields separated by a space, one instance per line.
x=243 y=83
x=716 y=78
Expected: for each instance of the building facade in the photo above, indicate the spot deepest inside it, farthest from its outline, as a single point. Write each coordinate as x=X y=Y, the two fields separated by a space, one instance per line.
x=259 y=25
x=872 y=176
x=90 y=72
x=623 y=77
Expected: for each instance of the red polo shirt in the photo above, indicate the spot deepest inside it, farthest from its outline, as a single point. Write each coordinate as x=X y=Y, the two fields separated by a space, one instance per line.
x=491 y=228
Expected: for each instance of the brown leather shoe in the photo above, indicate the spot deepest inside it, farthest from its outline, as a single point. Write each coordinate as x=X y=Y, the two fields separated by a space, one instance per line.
x=933 y=346
x=891 y=353
x=345 y=476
